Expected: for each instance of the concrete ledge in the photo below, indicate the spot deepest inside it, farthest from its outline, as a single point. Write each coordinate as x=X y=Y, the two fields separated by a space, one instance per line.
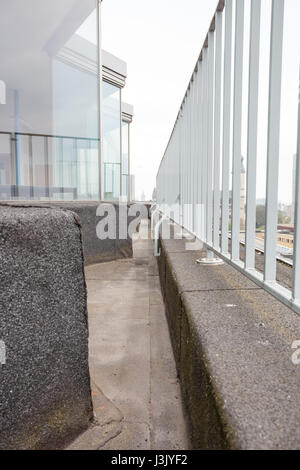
x=232 y=344
x=45 y=386
x=95 y=250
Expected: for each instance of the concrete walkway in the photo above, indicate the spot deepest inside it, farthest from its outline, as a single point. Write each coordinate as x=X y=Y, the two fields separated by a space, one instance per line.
x=136 y=393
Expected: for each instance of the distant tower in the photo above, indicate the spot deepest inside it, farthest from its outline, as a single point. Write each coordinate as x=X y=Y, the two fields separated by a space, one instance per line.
x=243 y=196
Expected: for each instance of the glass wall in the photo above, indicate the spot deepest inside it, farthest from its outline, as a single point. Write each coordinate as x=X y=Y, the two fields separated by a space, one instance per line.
x=111 y=141
x=125 y=160
x=49 y=140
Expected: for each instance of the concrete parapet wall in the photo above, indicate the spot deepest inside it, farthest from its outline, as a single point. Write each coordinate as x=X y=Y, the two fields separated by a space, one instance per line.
x=95 y=250
x=233 y=347
x=45 y=386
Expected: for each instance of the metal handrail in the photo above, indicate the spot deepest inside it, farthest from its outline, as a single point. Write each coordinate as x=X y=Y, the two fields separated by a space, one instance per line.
x=50 y=136
x=195 y=154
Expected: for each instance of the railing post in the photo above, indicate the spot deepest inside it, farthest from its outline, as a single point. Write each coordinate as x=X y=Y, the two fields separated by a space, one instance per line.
x=47 y=176
x=31 y=179
x=237 y=130
x=210 y=148
x=273 y=140
x=296 y=264
x=204 y=148
x=252 y=134
x=100 y=90
x=201 y=153
x=217 y=129
x=226 y=124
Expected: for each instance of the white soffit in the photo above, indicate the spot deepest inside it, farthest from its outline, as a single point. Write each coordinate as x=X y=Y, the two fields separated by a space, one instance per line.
x=82 y=54
x=127 y=112
x=114 y=69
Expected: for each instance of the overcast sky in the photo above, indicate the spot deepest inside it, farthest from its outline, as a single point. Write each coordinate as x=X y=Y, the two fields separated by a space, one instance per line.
x=160 y=40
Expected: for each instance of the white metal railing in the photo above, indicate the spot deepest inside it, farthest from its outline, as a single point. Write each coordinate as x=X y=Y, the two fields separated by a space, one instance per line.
x=193 y=181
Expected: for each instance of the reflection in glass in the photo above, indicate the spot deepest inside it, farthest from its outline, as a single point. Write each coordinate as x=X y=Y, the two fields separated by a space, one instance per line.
x=111 y=141
x=125 y=159
x=49 y=125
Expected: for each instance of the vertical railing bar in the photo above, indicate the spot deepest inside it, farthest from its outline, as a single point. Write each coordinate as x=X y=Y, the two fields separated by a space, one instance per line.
x=12 y=164
x=199 y=156
x=190 y=156
x=47 y=167
x=273 y=139
x=75 y=150
x=192 y=152
x=195 y=157
x=30 y=157
x=184 y=162
x=252 y=133
x=121 y=149
x=210 y=149
x=217 y=133
x=196 y=160
x=296 y=261
x=204 y=158
x=180 y=166
x=226 y=124
x=237 y=130
x=61 y=179
x=17 y=164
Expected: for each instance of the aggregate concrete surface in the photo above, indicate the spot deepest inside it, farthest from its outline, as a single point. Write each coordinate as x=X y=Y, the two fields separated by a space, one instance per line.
x=136 y=393
x=233 y=349
x=94 y=249
x=45 y=392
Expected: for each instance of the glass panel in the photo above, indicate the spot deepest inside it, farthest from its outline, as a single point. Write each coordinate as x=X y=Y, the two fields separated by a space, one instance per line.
x=125 y=185
x=5 y=166
x=49 y=63
x=111 y=141
x=125 y=158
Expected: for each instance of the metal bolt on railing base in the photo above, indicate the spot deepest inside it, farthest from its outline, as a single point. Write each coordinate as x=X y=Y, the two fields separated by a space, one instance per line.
x=210 y=261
